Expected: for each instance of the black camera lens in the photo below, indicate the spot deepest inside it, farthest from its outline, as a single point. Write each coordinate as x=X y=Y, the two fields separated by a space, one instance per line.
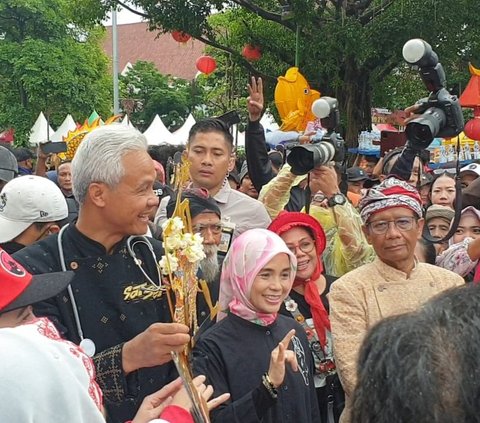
x=304 y=158
x=422 y=130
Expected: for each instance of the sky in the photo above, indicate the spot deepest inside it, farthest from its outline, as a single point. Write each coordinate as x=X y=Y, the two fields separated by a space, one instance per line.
x=124 y=17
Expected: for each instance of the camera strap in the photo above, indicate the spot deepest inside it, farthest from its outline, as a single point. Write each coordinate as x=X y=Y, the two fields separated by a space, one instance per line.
x=308 y=195
x=457 y=205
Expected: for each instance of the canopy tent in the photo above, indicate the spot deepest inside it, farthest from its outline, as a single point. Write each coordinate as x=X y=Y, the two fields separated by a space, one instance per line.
x=126 y=69
x=157 y=133
x=180 y=136
x=41 y=130
x=238 y=138
x=126 y=121
x=67 y=125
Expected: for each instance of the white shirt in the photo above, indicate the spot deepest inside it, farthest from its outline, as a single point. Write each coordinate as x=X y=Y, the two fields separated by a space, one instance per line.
x=238 y=208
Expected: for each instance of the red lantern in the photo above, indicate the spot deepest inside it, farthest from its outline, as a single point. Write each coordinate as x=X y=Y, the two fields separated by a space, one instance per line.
x=251 y=53
x=180 y=36
x=206 y=64
x=472 y=129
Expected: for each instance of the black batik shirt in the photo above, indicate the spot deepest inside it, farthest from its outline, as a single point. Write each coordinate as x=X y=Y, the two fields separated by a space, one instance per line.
x=114 y=305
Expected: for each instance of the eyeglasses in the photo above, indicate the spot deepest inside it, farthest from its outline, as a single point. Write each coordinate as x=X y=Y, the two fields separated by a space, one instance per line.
x=305 y=246
x=214 y=228
x=450 y=170
x=403 y=224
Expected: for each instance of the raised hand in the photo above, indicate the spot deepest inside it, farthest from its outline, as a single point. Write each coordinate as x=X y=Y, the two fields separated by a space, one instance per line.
x=175 y=394
x=324 y=179
x=279 y=358
x=183 y=400
x=255 y=101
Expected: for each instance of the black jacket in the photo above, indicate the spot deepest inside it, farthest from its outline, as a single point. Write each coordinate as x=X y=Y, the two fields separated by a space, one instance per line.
x=260 y=168
x=235 y=353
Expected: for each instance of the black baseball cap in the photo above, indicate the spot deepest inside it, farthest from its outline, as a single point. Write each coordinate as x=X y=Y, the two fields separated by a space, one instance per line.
x=355 y=174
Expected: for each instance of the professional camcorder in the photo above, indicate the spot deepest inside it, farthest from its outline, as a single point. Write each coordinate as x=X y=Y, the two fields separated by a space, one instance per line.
x=441 y=113
x=330 y=147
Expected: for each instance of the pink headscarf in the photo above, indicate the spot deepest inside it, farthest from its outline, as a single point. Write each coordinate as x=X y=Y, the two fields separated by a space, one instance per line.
x=248 y=254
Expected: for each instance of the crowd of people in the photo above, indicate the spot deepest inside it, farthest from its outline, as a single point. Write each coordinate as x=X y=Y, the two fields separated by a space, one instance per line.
x=357 y=311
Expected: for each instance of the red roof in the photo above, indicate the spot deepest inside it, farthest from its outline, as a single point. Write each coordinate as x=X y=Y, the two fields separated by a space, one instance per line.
x=471 y=95
x=136 y=42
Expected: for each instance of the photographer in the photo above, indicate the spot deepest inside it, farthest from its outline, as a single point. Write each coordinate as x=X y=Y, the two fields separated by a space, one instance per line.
x=260 y=168
x=347 y=247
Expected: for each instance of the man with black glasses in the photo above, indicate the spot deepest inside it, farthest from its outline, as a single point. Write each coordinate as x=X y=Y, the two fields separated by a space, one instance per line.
x=206 y=221
x=395 y=282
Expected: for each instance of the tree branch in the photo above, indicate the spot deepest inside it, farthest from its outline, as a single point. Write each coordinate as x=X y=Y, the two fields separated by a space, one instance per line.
x=247 y=65
x=270 y=16
x=387 y=69
x=369 y=14
x=281 y=53
x=130 y=9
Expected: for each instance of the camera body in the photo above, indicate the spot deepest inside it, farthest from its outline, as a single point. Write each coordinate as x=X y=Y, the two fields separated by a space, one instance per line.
x=441 y=113
x=331 y=147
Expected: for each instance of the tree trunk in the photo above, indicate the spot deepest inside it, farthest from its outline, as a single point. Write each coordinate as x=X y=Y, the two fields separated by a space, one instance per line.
x=355 y=101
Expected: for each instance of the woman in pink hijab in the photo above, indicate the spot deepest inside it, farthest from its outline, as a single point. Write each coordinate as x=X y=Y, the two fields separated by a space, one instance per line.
x=260 y=357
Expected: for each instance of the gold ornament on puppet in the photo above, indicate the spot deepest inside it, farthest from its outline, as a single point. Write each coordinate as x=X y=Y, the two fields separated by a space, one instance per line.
x=75 y=137
x=180 y=263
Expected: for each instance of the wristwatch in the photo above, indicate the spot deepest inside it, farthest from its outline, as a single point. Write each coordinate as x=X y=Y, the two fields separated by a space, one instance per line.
x=337 y=199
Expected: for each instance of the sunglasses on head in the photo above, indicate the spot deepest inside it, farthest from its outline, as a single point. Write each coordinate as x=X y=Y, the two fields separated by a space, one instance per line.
x=451 y=171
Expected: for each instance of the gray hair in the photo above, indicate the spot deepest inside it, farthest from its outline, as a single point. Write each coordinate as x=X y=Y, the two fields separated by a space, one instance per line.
x=99 y=157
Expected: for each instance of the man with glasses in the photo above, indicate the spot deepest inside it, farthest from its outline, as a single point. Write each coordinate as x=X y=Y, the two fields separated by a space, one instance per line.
x=394 y=283
x=206 y=220
x=31 y=208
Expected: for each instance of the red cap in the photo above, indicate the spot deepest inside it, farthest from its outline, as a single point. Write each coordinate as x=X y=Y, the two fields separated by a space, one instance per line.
x=18 y=288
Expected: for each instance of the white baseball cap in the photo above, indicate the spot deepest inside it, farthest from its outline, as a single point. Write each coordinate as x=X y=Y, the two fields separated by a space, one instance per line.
x=473 y=167
x=26 y=200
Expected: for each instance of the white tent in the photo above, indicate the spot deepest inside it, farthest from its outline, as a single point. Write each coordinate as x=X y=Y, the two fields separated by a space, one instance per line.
x=39 y=132
x=126 y=121
x=238 y=138
x=68 y=124
x=127 y=67
x=157 y=133
x=268 y=122
x=180 y=136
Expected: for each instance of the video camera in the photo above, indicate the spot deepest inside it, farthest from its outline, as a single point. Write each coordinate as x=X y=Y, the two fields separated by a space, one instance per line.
x=441 y=113
x=330 y=147
x=441 y=116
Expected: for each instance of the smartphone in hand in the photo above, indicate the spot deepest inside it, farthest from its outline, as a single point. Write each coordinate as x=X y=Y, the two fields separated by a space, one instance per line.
x=54 y=147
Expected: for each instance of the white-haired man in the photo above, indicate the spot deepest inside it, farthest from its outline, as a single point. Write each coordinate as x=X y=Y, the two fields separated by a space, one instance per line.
x=113 y=302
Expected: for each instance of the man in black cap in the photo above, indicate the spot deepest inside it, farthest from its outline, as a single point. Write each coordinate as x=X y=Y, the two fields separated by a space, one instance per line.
x=25 y=161
x=246 y=184
x=356 y=177
x=206 y=220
